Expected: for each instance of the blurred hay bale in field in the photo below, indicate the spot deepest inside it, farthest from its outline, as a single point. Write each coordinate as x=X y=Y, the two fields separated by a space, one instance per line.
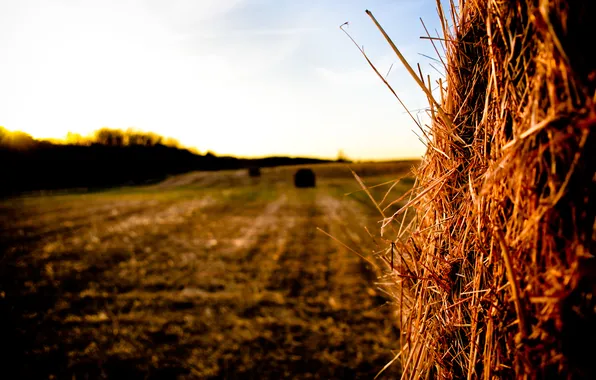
x=254 y=171
x=498 y=278
x=304 y=178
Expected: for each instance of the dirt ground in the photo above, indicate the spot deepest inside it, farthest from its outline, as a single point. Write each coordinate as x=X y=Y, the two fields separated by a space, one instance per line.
x=206 y=275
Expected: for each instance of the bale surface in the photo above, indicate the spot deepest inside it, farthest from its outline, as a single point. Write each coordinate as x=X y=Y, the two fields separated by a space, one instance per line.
x=497 y=279
x=304 y=178
x=254 y=171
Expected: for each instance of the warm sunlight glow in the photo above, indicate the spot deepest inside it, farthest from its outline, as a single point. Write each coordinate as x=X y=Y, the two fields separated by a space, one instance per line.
x=236 y=77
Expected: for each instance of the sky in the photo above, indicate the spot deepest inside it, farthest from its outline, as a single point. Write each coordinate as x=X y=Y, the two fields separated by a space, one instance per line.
x=249 y=78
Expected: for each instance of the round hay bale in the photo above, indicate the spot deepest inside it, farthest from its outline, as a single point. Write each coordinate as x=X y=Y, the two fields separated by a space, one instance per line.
x=497 y=278
x=304 y=178
x=254 y=171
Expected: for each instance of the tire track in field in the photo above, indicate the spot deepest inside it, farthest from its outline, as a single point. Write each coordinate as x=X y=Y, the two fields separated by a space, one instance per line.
x=257 y=233
x=315 y=307
x=221 y=257
x=302 y=268
x=181 y=259
x=349 y=269
x=198 y=292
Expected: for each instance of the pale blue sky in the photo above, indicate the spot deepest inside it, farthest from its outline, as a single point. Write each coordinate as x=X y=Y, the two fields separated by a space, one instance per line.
x=242 y=77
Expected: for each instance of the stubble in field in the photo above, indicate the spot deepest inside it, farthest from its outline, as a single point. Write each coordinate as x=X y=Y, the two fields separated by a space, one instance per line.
x=207 y=275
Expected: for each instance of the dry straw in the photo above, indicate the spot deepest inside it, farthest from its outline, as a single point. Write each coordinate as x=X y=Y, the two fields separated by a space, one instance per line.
x=497 y=278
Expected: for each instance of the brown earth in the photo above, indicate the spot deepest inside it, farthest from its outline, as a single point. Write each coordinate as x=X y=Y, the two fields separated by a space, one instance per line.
x=207 y=275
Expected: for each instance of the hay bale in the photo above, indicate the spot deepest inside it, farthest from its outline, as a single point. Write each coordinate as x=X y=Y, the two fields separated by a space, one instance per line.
x=254 y=171
x=497 y=279
x=304 y=178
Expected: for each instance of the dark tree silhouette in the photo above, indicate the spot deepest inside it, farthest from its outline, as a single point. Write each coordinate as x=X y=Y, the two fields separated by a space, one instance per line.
x=109 y=158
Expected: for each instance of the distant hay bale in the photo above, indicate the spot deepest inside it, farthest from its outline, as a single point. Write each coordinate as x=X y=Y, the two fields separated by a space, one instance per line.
x=254 y=171
x=498 y=277
x=304 y=178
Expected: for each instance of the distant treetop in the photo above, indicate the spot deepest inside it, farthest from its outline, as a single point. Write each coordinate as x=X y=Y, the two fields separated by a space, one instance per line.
x=104 y=136
x=15 y=140
x=131 y=137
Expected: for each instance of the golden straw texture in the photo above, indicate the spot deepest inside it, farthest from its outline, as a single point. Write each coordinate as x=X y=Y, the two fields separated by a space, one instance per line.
x=498 y=277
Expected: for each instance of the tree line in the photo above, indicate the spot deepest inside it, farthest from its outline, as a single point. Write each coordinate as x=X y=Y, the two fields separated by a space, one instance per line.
x=107 y=158
x=104 y=136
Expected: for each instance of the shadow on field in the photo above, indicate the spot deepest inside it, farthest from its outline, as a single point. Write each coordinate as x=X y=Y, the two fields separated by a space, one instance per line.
x=34 y=342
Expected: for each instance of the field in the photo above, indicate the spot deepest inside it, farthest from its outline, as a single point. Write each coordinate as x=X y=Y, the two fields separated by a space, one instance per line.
x=205 y=275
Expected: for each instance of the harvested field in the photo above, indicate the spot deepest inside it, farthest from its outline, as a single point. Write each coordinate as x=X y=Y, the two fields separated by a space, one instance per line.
x=206 y=275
